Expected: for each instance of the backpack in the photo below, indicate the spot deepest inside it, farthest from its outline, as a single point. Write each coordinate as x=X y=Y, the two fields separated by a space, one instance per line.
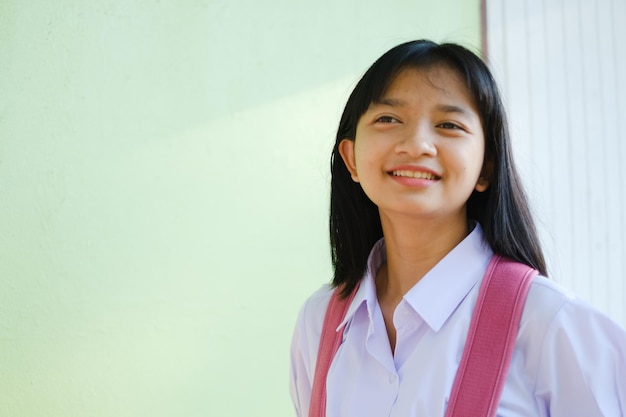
x=481 y=375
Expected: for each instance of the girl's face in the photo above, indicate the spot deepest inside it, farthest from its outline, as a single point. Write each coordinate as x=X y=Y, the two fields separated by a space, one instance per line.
x=419 y=151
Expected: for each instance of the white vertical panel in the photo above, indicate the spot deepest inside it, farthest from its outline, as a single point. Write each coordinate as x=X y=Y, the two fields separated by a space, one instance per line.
x=538 y=161
x=516 y=80
x=576 y=84
x=616 y=149
x=609 y=154
x=560 y=66
x=559 y=172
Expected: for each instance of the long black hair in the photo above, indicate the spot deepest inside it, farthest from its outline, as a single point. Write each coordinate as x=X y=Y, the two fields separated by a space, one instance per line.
x=502 y=210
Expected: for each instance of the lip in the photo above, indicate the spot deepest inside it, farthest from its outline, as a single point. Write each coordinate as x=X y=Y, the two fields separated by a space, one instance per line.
x=429 y=179
x=414 y=168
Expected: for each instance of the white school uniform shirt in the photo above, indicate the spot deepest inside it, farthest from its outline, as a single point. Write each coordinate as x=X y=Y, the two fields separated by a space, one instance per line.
x=569 y=359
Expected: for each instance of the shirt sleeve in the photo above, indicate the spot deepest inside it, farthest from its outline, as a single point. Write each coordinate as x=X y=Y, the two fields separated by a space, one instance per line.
x=582 y=370
x=299 y=378
x=304 y=346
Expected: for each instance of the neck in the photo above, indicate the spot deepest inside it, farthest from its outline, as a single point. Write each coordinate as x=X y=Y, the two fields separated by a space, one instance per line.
x=414 y=247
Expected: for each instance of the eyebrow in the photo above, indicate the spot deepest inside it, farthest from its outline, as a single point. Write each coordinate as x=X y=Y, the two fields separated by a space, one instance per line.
x=392 y=102
x=444 y=108
x=450 y=108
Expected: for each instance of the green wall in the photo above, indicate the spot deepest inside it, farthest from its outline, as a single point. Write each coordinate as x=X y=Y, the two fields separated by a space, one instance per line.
x=163 y=193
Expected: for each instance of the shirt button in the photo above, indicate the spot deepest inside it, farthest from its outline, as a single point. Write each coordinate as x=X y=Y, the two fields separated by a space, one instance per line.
x=392 y=379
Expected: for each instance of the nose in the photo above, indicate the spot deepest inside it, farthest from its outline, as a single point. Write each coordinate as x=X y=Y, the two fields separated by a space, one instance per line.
x=418 y=140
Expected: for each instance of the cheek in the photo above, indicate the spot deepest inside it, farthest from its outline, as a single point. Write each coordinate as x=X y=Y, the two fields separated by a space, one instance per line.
x=469 y=162
x=363 y=156
x=475 y=156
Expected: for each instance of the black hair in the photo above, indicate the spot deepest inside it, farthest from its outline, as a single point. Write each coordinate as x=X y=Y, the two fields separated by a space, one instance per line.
x=502 y=210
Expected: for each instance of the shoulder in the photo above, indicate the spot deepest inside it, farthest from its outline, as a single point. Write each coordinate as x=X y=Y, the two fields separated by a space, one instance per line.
x=554 y=305
x=305 y=343
x=552 y=308
x=571 y=348
x=546 y=298
x=310 y=321
x=543 y=305
x=311 y=316
x=556 y=321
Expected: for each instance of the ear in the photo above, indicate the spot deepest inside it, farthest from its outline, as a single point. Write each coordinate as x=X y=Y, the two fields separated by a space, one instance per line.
x=346 y=150
x=482 y=184
x=485 y=177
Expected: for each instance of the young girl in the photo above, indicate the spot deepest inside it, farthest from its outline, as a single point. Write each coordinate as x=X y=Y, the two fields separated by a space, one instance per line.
x=424 y=193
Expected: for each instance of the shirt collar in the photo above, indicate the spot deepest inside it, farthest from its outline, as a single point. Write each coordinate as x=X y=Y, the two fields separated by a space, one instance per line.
x=366 y=293
x=445 y=286
x=441 y=290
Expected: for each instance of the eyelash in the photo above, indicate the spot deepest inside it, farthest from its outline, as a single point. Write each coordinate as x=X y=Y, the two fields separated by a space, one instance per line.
x=449 y=125
x=444 y=125
x=386 y=119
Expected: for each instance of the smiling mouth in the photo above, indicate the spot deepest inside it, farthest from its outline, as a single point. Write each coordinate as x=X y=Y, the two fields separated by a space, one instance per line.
x=415 y=174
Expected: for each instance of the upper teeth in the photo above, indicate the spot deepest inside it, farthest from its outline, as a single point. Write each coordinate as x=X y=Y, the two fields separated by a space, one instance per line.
x=414 y=174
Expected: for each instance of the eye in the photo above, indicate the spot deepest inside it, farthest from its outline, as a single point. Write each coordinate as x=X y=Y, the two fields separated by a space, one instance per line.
x=386 y=119
x=449 y=125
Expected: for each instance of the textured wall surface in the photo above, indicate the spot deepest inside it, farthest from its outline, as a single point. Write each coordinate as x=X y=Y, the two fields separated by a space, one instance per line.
x=163 y=193
x=561 y=64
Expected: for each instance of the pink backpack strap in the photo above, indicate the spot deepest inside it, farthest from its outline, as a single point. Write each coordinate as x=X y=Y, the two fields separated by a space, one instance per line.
x=490 y=343
x=330 y=340
x=488 y=350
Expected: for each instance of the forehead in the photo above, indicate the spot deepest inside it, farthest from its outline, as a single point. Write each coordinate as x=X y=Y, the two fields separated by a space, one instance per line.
x=439 y=79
